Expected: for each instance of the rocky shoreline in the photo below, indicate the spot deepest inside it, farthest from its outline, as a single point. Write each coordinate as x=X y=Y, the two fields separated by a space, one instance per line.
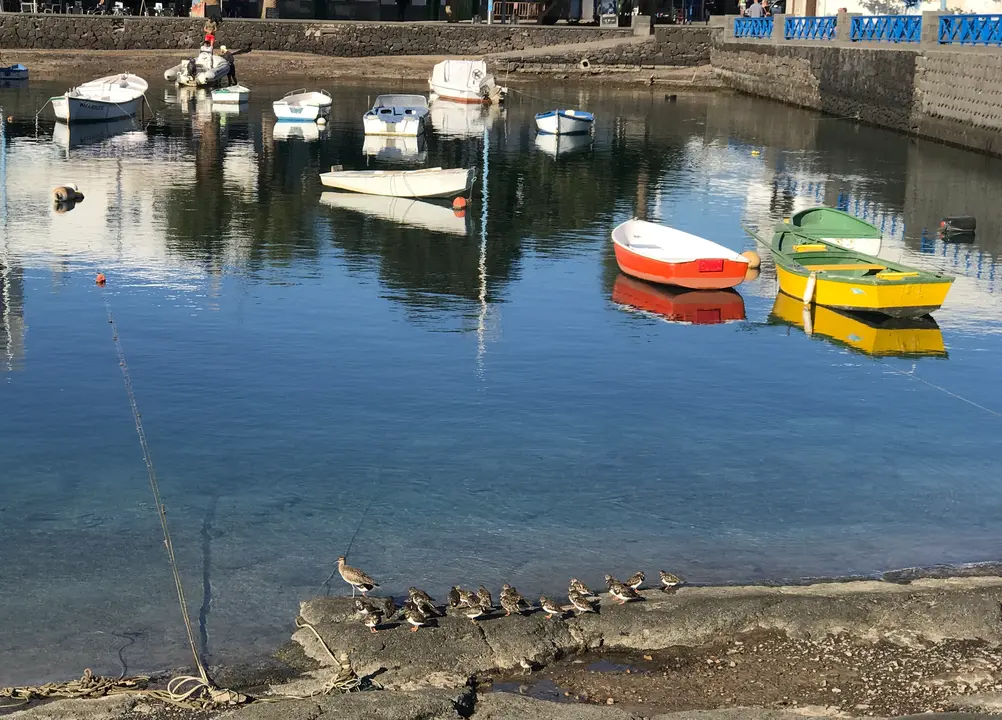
x=836 y=649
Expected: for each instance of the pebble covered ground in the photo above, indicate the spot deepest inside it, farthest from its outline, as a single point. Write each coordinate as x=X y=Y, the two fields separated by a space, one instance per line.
x=771 y=670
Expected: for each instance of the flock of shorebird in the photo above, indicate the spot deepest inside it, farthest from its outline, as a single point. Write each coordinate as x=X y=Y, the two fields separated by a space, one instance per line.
x=420 y=607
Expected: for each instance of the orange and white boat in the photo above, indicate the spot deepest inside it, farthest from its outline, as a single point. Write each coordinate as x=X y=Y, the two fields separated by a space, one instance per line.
x=661 y=254
x=680 y=305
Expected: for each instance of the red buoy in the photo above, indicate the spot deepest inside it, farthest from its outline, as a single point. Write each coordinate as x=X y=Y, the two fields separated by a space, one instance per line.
x=100 y=279
x=459 y=203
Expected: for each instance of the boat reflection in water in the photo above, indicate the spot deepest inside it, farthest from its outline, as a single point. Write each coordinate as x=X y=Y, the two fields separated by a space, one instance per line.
x=403 y=211
x=867 y=333
x=306 y=131
x=72 y=135
x=459 y=120
x=677 y=304
x=557 y=145
x=395 y=149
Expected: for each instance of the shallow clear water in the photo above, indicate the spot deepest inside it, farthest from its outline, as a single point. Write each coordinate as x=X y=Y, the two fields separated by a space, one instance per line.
x=470 y=393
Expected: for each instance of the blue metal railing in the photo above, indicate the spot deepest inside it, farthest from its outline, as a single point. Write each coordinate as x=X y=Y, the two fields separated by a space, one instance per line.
x=886 y=28
x=970 y=29
x=809 y=28
x=753 y=27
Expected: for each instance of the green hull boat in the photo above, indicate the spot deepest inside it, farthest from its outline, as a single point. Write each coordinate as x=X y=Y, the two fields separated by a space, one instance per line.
x=838 y=228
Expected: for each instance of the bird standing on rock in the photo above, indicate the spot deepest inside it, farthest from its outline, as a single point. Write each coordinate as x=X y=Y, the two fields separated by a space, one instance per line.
x=623 y=593
x=670 y=581
x=475 y=609
x=468 y=598
x=484 y=596
x=580 y=602
x=424 y=601
x=454 y=597
x=512 y=601
x=636 y=580
x=580 y=588
x=372 y=620
x=412 y=614
x=355 y=577
x=550 y=608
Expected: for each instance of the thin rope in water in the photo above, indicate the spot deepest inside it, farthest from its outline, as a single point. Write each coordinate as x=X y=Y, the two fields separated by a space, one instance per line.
x=358 y=527
x=911 y=374
x=151 y=473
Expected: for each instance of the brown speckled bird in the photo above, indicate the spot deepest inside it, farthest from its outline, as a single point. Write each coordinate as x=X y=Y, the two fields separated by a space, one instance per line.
x=670 y=581
x=550 y=607
x=413 y=615
x=621 y=592
x=636 y=580
x=454 y=597
x=512 y=601
x=580 y=602
x=580 y=588
x=424 y=601
x=372 y=620
x=484 y=596
x=355 y=577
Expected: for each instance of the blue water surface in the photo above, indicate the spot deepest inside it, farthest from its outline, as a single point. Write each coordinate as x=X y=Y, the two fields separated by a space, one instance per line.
x=462 y=400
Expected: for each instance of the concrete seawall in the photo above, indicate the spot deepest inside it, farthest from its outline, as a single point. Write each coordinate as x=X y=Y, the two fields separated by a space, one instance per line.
x=949 y=94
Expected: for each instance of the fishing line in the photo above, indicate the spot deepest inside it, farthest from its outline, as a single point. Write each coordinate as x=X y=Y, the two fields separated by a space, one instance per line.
x=352 y=540
x=161 y=508
x=911 y=374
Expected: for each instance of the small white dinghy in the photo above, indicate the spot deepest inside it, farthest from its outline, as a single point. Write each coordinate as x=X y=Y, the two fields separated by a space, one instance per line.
x=564 y=122
x=428 y=183
x=466 y=81
x=14 y=72
x=204 y=70
x=402 y=211
x=107 y=98
x=397 y=115
x=232 y=95
x=303 y=106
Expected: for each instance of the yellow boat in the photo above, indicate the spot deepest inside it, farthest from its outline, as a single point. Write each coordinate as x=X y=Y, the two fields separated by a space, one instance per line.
x=824 y=274
x=870 y=334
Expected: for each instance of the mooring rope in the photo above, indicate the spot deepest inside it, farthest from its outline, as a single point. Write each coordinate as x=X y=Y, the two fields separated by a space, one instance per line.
x=358 y=527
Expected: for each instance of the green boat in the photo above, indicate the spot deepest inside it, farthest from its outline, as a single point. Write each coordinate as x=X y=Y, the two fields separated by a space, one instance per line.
x=838 y=228
x=823 y=274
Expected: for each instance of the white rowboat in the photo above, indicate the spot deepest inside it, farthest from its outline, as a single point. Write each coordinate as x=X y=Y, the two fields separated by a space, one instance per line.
x=466 y=81
x=564 y=122
x=232 y=95
x=397 y=115
x=302 y=106
x=430 y=183
x=403 y=211
x=108 y=98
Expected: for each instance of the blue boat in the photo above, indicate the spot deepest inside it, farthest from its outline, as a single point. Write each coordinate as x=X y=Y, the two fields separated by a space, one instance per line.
x=14 y=72
x=564 y=122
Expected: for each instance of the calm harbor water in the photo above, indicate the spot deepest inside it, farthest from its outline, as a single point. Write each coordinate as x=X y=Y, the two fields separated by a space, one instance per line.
x=484 y=398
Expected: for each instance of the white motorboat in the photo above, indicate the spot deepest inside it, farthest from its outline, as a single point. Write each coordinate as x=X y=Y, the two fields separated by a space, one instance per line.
x=232 y=95
x=395 y=149
x=303 y=106
x=397 y=115
x=403 y=211
x=108 y=98
x=428 y=183
x=466 y=81
x=306 y=131
x=558 y=145
x=564 y=122
x=204 y=70
x=14 y=72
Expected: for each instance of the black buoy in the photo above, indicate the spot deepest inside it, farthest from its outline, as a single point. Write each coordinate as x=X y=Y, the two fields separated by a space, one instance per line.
x=958 y=225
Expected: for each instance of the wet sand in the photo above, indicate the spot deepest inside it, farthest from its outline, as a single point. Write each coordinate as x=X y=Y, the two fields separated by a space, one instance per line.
x=265 y=66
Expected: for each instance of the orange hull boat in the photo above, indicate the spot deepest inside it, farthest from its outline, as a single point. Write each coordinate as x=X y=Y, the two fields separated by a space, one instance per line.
x=664 y=255
x=698 y=307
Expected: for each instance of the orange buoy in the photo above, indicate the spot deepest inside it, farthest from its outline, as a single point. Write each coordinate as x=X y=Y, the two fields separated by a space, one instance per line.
x=100 y=279
x=10 y=118
x=751 y=274
x=754 y=261
x=459 y=212
x=459 y=203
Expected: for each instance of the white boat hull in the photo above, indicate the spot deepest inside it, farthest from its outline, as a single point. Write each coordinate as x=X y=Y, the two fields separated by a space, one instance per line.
x=465 y=81
x=401 y=125
x=430 y=183
x=210 y=70
x=72 y=109
x=561 y=123
x=302 y=106
x=403 y=211
x=231 y=95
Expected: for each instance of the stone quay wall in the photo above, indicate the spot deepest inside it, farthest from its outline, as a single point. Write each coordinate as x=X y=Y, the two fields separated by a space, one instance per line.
x=338 y=39
x=953 y=95
x=674 y=45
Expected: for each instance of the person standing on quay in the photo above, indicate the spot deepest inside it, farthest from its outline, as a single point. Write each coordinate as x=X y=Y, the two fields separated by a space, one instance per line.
x=227 y=55
x=755 y=10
